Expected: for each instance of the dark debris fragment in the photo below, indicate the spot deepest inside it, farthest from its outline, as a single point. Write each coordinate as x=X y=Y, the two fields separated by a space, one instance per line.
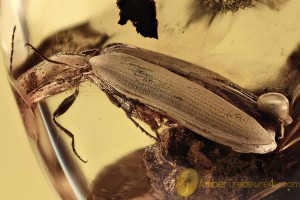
x=212 y=8
x=142 y=14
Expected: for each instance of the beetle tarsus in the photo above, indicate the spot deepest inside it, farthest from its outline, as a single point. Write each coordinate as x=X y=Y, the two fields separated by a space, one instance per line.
x=66 y=131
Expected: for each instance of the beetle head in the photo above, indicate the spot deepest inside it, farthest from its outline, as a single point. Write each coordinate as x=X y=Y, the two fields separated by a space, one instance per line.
x=61 y=72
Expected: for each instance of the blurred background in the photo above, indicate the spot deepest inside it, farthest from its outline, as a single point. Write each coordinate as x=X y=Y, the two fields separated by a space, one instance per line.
x=21 y=177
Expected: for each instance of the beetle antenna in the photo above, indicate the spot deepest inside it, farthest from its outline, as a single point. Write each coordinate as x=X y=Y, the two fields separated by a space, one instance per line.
x=12 y=50
x=42 y=56
x=15 y=83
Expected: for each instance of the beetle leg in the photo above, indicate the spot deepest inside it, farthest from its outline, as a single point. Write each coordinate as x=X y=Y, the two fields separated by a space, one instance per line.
x=149 y=116
x=113 y=100
x=62 y=108
x=130 y=110
x=140 y=127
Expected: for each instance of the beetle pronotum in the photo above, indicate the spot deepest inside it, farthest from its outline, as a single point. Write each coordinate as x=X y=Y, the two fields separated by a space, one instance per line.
x=152 y=87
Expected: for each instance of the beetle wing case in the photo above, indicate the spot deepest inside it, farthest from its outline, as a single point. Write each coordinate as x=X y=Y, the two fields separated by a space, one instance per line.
x=184 y=100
